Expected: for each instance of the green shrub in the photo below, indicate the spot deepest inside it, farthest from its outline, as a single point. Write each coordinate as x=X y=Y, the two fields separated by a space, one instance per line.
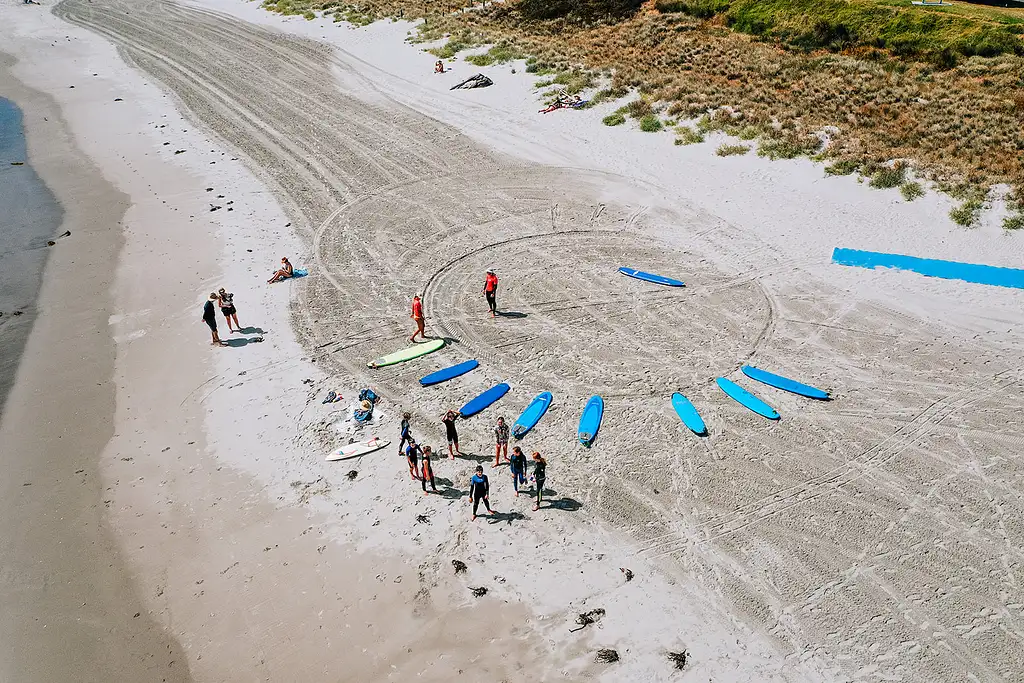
x=480 y=60
x=911 y=190
x=1014 y=222
x=638 y=109
x=702 y=9
x=748 y=133
x=967 y=214
x=785 y=148
x=842 y=167
x=614 y=119
x=731 y=150
x=886 y=178
x=650 y=124
x=688 y=136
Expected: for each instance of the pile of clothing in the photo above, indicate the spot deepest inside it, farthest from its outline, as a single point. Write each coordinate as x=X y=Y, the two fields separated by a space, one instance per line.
x=367 y=401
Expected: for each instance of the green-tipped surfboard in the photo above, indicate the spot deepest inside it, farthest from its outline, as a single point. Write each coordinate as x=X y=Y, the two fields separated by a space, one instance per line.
x=408 y=353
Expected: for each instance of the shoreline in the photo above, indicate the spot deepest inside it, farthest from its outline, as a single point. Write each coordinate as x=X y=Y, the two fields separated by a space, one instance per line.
x=65 y=581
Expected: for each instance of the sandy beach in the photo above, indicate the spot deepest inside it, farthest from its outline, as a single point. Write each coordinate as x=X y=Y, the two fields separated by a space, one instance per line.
x=168 y=514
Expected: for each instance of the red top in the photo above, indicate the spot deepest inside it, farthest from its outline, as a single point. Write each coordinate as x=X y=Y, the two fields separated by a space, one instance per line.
x=491 y=283
x=417 y=308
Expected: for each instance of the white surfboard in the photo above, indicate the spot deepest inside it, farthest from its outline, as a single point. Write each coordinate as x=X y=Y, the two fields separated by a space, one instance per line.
x=359 y=448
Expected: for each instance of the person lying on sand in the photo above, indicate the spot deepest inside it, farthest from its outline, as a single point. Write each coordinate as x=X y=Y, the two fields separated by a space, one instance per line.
x=286 y=272
x=439 y=67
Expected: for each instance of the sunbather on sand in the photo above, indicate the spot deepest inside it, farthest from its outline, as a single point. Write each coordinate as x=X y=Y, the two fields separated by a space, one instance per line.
x=286 y=272
x=439 y=67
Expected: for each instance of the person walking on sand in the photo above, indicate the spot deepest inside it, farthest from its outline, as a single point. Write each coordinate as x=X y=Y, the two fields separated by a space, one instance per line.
x=404 y=432
x=540 y=466
x=479 y=490
x=284 y=273
x=417 y=315
x=412 y=455
x=427 y=471
x=451 y=434
x=517 y=463
x=227 y=307
x=491 y=292
x=500 y=441
x=210 y=318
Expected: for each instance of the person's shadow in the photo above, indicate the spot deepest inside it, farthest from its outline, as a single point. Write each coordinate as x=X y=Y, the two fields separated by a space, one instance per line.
x=448 y=489
x=563 y=503
x=507 y=517
x=511 y=314
x=252 y=330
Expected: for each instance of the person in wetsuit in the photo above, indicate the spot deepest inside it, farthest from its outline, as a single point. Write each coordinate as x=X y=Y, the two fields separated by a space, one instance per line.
x=479 y=488
x=540 y=466
x=518 y=466
x=427 y=471
x=451 y=434
x=491 y=292
x=404 y=432
x=412 y=454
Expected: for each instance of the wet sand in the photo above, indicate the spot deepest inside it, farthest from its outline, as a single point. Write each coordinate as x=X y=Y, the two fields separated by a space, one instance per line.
x=68 y=607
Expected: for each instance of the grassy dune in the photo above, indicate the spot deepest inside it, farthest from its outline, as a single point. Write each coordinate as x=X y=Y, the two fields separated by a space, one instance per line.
x=939 y=88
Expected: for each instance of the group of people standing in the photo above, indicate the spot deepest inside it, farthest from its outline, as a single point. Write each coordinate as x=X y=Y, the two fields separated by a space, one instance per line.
x=419 y=459
x=226 y=301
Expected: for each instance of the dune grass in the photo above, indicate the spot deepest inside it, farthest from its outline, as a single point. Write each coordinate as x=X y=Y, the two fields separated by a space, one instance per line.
x=727 y=150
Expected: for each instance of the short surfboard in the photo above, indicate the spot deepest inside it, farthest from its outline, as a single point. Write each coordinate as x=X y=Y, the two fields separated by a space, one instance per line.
x=483 y=400
x=408 y=353
x=590 y=421
x=356 y=449
x=688 y=414
x=651 y=277
x=532 y=415
x=746 y=399
x=784 y=383
x=445 y=374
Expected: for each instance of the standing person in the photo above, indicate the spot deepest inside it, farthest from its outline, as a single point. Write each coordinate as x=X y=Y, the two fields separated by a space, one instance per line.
x=491 y=292
x=427 y=471
x=227 y=307
x=412 y=455
x=210 y=318
x=500 y=441
x=285 y=272
x=404 y=432
x=451 y=434
x=417 y=315
x=540 y=466
x=518 y=466
x=479 y=489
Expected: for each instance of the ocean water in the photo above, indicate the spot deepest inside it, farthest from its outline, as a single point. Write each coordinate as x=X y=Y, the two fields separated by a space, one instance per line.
x=30 y=215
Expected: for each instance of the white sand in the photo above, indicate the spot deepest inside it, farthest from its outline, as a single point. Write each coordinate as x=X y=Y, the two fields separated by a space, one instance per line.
x=825 y=547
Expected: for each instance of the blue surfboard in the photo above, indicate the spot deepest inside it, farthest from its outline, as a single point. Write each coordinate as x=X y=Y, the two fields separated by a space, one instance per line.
x=532 y=415
x=746 y=399
x=590 y=421
x=688 y=414
x=483 y=400
x=650 y=277
x=784 y=383
x=445 y=374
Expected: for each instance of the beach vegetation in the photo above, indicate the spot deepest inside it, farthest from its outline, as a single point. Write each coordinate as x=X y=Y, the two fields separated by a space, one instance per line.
x=911 y=190
x=727 y=150
x=1014 y=222
x=842 y=167
x=888 y=177
x=967 y=214
x=686 y=135
x=616 y=118
x=651 y=123
x=498 y=54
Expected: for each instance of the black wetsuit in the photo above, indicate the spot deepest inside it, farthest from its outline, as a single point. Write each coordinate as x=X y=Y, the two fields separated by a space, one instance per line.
x=405 y=434
x=412 y=454
x=210 y=315
x=517 y=464
x=539 y=474
x=478 y=489
x=449 y=429
x=428 y=475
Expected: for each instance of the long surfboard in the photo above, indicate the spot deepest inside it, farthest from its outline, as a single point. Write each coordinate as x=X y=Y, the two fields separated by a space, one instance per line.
x=359 y=448
x=408 y=353
x=784 y=383
x=483 y=400
x=746 y=399
x=532 y=415
x=445 y=374
x=688 y=414
x=651 y=277
x=590 y=421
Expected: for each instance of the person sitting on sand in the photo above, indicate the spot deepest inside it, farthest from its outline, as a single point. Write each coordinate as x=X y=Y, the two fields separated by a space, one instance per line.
x=286 y=272
x=439 y=67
